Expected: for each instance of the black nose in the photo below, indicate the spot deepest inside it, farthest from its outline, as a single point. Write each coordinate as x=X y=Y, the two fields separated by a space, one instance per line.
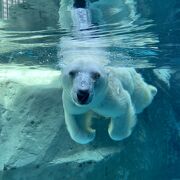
x=83 y=96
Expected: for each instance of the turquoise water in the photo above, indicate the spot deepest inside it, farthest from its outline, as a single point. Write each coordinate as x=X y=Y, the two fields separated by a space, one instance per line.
x=31 y=34
x=133 y=33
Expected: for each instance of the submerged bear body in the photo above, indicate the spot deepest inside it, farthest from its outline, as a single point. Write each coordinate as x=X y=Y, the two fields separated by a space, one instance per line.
x=116 y=93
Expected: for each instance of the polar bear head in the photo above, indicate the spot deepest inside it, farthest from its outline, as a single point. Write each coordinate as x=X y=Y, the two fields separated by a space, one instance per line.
x=84 y=81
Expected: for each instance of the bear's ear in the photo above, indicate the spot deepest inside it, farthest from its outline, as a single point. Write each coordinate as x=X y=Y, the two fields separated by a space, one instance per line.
x=153 y=90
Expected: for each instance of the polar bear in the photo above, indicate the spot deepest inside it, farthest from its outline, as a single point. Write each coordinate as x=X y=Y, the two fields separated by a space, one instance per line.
x=115 y=93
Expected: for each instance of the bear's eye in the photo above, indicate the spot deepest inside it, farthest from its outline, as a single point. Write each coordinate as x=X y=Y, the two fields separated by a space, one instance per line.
x=72 y=73
x=96 y=75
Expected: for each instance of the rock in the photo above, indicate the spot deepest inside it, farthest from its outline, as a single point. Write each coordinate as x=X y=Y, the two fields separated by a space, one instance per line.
x=175 y=91
x=32 y=15
x=25 y=105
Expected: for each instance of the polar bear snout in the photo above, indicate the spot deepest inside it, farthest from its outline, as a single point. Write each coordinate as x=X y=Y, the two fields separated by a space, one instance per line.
x=82 y=88
x=83 y=96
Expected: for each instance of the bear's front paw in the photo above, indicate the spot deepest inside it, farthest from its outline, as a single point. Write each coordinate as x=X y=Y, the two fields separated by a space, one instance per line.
x=119 y=135
x=84 y=137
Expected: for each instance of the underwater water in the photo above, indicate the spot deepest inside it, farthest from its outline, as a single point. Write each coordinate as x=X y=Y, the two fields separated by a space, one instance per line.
x=35 y=38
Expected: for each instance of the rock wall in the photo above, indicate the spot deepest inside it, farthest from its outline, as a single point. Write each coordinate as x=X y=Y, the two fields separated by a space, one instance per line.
x=33 y=15
x=35 y=145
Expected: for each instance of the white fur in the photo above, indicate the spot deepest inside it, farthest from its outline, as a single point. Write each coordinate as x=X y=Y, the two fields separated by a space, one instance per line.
x=119 y=94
